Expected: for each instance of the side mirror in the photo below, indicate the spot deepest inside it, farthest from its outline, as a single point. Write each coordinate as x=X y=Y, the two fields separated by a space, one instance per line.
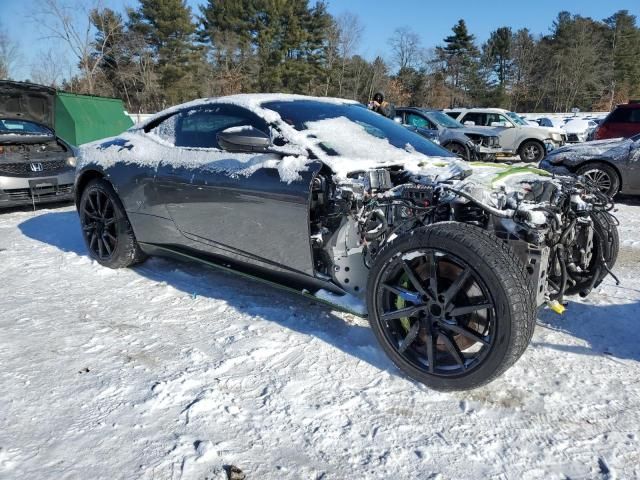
x=244 y=138
x=470 y=123
x=397 y=119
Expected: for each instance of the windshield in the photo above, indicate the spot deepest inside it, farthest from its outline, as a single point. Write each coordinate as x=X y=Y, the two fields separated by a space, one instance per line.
x=443 y=120
x=353 y=131
x=516 y=118
x=22 y=127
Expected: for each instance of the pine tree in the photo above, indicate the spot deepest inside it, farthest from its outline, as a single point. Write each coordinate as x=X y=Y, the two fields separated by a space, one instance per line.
x=460 y=56
x=498 y=51
x=169 y=29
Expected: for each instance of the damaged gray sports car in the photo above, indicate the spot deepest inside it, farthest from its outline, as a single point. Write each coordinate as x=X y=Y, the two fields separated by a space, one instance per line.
x=613 y=166
x=449 y=260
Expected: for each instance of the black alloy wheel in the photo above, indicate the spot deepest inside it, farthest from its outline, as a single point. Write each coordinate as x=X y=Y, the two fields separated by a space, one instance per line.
x=451 y=305
x=99 y=224
x=106 y=229
x=438 y=312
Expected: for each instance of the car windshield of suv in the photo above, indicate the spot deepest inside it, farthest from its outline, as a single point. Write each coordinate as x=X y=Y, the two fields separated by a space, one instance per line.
x=351 y=130
x=516 y=118
x=22 y=127
x=443 y=120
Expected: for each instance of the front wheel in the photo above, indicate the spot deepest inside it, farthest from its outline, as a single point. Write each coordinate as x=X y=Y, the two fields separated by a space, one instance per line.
x=531 y=151
x=106 y=229
x=459 y=150
x=451 y=306
x=603 y=176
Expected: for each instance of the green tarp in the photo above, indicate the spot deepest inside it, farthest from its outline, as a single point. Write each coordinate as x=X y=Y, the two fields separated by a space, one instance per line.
x=84 y=118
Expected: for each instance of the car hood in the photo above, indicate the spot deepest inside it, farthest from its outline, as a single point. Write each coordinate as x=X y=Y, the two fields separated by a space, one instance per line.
x=27 y=101
x=610 y=148
x=486 y=132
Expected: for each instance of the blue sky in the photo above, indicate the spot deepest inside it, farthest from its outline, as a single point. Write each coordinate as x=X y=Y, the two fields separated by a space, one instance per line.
x=431 y=20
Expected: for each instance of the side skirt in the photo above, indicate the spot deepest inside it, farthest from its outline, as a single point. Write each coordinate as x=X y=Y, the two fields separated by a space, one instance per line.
x=255 y=274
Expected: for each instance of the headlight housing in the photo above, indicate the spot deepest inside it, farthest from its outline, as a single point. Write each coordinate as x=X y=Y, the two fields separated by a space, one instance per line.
x=72 y=161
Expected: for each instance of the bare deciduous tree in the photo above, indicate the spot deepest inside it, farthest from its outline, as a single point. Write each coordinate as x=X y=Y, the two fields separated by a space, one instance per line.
x=8 y=53
x=49 y=68
x=70 y=22
x=349 y=29
x=405 y=47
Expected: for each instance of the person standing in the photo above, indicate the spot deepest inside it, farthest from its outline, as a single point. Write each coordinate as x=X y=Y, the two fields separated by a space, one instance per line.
x=381 y=106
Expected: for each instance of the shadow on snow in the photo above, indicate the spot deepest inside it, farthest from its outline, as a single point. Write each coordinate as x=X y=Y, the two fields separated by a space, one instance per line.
x=62 y=230
x=610 y=330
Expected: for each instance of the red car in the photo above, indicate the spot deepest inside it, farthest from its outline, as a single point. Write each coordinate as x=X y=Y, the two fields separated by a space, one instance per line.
x=624 y=121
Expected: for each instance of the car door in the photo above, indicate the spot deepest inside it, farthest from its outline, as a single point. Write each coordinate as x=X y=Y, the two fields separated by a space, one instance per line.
x=235 y=204
x=421 y=124
x=507 y=131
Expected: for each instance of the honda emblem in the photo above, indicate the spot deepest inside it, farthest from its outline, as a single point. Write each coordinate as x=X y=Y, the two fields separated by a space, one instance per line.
x=36 y=167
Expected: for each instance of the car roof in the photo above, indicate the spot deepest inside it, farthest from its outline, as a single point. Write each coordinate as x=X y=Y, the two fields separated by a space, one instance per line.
x=250 y=101
x=477 y=109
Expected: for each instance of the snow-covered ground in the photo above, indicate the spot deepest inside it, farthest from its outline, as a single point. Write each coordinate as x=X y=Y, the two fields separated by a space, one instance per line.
x=171 y=370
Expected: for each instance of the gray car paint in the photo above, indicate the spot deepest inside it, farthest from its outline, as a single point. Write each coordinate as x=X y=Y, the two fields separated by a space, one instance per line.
x=622 y=154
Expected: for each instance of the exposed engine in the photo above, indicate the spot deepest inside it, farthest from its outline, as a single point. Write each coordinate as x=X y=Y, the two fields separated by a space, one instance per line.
x=559 y=228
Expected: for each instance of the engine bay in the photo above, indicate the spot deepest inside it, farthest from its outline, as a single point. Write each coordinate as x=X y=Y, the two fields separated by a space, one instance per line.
x=558 y=228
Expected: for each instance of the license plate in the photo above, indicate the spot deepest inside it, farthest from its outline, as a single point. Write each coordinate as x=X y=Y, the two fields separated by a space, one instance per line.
x=43 y=186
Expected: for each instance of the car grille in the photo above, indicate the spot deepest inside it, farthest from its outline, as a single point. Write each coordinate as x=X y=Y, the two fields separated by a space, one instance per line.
x=24 y=168
x=23 y=194
x=572 y=137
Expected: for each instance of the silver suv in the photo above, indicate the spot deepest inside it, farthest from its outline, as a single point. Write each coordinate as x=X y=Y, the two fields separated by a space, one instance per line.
x=531 y=142
x=35 y=165
x=466 y=142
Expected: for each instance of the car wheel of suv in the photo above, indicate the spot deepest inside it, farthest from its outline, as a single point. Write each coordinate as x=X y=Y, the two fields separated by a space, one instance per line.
x=106 y=229
x=451 y=305
x=603 y=176
x=459 y=150
x=531 y=151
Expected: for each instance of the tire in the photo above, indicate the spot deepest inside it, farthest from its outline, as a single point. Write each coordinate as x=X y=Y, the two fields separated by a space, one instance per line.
x=603 y=175
x=106 y=230
x=459 y=150
x=474 y=271
x=531 y=151
x=606 y=229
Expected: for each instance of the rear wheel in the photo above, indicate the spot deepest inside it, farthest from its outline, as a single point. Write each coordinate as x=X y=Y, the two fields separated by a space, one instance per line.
x=603 y=176
x=450 y=305
x=531 y=151
x=106 y=229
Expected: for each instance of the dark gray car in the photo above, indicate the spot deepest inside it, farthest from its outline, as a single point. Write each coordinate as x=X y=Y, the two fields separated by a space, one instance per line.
x=466 y=142
x=35 y=165
x=448 y=259
x=613 y=165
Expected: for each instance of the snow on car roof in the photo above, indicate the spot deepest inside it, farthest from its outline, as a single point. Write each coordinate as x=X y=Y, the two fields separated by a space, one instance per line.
x=358 y=148
x=250 y=101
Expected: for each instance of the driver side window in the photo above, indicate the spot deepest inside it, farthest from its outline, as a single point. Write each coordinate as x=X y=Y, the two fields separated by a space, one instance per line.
x=419 y=121
x=495 y=118
x=198 y=128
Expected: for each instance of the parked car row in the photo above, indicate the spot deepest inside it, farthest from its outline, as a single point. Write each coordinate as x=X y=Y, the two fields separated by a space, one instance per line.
x=466 y=142
x=517 y=137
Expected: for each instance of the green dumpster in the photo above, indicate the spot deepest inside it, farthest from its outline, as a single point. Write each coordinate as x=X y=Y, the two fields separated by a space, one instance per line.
x=84 y=118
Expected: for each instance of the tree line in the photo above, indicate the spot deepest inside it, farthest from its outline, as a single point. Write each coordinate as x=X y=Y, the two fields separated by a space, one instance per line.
x=161 y=53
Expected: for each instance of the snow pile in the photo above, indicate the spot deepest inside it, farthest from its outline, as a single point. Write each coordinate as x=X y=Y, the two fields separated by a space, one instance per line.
x=171 y=370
